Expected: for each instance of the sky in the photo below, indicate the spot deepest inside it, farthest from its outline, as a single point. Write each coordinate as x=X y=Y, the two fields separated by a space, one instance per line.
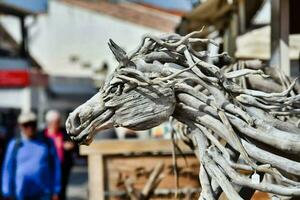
x=181 y=5
x=30 y=5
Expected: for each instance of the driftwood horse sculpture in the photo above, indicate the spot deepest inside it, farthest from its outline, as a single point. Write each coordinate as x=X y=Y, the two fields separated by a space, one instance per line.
x=230 y=127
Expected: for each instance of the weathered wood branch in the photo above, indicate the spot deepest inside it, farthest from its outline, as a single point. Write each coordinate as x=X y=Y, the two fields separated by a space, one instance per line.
x=251 y=108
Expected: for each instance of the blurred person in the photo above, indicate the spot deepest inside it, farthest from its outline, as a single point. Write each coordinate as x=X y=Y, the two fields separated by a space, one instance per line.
x=31 y=169
x=64 y=147
x=3 y=136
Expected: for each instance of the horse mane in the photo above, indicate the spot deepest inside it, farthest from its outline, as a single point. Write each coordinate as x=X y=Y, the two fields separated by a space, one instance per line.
x=232 y=102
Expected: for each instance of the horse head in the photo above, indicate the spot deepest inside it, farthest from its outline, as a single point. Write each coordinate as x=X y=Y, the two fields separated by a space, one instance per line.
x=129 y=98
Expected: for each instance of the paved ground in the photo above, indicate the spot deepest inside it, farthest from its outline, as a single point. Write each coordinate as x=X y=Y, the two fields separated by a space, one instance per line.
x=77 y=189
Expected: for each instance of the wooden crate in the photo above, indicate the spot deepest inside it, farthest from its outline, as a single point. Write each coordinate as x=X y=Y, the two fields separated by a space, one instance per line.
x=113 y=161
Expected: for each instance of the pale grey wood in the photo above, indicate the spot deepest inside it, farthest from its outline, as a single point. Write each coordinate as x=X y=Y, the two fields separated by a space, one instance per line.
x=210 y=107
x=280 y=27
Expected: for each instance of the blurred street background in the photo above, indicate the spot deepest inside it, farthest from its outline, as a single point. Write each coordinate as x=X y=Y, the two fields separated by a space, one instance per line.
x=78 y=186
x=54 y=54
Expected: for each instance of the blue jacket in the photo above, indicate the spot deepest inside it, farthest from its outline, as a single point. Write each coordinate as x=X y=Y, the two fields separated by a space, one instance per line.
x=37 y=169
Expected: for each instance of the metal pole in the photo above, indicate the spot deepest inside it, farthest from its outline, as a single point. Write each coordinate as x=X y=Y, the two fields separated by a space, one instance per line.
x=24 y=42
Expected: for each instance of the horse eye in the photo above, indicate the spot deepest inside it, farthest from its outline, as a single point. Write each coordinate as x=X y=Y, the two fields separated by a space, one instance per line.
x=114 y=89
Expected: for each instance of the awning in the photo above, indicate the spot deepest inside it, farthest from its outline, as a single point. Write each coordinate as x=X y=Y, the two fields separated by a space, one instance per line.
x=23 y=7
x=16 y=73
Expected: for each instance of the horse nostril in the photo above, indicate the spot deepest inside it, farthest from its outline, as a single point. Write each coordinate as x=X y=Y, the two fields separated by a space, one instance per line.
x=76 y=121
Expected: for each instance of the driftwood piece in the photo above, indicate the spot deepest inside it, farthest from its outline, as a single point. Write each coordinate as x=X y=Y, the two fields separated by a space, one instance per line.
x=165 y=77
x=153 y=180
x=131 y=192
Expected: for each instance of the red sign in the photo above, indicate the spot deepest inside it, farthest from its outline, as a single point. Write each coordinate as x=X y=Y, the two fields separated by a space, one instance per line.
x=14 y=78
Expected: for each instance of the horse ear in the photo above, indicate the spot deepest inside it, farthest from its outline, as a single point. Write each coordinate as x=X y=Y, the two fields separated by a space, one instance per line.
x=118 y=52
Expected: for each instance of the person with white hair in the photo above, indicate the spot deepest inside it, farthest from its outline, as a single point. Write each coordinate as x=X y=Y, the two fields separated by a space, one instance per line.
x=64 y=146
